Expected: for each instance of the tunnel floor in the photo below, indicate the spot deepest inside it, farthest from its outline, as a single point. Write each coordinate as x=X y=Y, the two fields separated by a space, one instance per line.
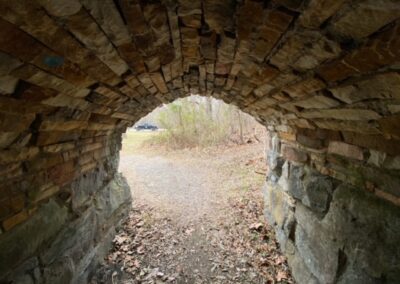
x=196 y=218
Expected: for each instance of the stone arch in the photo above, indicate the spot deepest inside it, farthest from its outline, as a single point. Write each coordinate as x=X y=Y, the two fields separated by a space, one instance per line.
x=321 y=75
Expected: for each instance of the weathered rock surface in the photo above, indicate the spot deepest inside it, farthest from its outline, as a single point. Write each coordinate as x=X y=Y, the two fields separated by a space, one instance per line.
x=330 y=230
x=68 y=245
x=21 y=243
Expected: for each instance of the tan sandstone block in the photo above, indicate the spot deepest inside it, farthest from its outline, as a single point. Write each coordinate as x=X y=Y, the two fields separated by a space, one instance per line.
x=60 y=147
x=63 y=173
x=364 y=127
x=15 y=220
x=60 y=125
x=379 y=13
x=377 y=142
x=391 y=125
x=15 y=155
x=346 y=150
x=293 y=154
x=44 y=193
x=317 y=102
x=318 y=11
x=287 y=136
x=381 y=86
x=342 y=114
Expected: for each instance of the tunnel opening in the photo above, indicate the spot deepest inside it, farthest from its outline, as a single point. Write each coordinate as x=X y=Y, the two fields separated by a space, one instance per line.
x=322 y=76
x=197 y=202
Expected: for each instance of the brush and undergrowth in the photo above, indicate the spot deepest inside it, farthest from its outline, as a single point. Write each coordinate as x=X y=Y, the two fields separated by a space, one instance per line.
x=201 y=122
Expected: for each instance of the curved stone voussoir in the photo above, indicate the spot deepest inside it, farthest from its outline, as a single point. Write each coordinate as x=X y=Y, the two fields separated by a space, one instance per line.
x=321 y=75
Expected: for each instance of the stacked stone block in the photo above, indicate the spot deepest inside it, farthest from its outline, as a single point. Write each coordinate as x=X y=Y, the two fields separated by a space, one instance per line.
x=334 y=207
x=322 y=74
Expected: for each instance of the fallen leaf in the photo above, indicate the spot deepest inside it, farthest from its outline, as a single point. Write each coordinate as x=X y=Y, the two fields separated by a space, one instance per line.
x=256 y=226
x=281 y=275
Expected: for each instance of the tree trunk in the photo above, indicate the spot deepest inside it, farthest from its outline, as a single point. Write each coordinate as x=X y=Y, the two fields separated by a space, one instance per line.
x=240 y=126
x=209 y=107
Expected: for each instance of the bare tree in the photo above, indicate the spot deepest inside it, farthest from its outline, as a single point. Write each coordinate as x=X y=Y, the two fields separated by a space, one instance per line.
x=239 y=115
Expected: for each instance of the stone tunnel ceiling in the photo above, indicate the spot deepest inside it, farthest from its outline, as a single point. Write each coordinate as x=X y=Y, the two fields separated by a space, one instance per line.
x=321 y=74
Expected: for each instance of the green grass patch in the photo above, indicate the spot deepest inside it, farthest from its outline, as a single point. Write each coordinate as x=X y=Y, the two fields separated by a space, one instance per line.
x=134 y=141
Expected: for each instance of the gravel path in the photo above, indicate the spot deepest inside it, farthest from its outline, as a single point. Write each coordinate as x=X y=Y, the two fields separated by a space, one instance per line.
x=181 y=189
x=197 y=218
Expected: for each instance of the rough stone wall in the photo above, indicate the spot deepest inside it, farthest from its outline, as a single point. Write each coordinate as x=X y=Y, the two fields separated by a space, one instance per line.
x=334 y=207
x=74 y=74
x=61 y=217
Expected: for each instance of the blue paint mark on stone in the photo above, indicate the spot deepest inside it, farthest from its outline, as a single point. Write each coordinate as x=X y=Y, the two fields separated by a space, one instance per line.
x=53 y=61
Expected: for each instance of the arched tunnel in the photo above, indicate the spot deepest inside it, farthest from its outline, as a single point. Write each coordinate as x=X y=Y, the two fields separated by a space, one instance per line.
x=321 y=75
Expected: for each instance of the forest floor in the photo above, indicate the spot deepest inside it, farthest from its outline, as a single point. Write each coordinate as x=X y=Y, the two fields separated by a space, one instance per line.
x=197 y=217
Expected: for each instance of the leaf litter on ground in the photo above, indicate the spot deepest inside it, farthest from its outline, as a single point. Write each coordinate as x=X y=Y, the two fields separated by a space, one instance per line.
x=243 y=250
x=233 y=244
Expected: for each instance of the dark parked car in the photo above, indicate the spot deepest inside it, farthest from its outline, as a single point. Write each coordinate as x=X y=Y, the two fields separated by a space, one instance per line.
x=146 y=126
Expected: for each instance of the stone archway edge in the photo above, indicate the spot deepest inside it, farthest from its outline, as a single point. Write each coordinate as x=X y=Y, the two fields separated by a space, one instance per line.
x=322 y=75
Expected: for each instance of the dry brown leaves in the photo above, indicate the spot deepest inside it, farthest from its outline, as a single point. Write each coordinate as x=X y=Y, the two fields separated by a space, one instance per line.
x=242 y=250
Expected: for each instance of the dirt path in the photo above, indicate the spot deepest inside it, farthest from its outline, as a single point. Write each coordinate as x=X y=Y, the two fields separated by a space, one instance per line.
x=172 y=186
x=197 y=218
